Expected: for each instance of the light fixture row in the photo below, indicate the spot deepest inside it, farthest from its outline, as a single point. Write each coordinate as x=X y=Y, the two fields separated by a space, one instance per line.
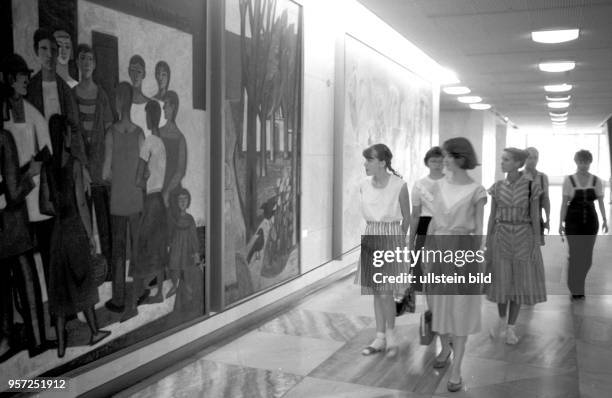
x=557 y=102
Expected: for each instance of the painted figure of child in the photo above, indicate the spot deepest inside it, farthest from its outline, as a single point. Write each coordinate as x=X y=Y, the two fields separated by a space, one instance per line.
x=184 y=247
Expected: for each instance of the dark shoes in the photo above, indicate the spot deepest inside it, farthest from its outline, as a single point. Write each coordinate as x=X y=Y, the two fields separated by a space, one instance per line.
x=439 y=364
x=578 y=297
x=101 y=335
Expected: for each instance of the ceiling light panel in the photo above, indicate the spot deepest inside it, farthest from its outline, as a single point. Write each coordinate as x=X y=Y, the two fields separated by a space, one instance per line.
x=558 y=105
x=555 y=36
x=558 y=114
x=456 y=90
x=480 y=107
x=557 y=66
x=469 y=99
x=558 y=88
x=556 y=99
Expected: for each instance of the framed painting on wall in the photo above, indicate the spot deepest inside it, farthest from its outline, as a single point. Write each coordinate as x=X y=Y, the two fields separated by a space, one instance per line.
x=115 y=95
x=382 y=102
x=263 y=110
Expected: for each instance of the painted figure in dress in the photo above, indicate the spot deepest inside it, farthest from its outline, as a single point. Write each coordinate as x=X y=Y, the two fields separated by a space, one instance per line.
x=72 y=287
x=95 y=117
x=184 y=247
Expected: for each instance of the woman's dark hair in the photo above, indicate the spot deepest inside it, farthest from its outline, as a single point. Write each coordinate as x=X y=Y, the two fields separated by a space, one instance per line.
x=382 y=153
x=462 y=150
x=583 y=156
x=518 y=155
x=434 y=152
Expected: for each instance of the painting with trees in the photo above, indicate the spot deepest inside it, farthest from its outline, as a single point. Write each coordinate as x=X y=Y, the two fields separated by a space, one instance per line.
x=263 y=49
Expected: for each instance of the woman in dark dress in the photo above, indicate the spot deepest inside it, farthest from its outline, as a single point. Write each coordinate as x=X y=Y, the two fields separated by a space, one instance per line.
x=72 y=288
x=580 y=191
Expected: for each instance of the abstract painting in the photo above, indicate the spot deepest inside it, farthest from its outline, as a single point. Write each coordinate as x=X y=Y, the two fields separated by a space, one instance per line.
x=383 y=103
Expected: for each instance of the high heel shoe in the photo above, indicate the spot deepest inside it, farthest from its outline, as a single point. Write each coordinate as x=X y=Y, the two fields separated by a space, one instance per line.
x=99 y=336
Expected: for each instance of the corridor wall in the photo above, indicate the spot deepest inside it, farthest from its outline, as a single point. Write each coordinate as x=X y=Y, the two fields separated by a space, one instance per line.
x=326 y=28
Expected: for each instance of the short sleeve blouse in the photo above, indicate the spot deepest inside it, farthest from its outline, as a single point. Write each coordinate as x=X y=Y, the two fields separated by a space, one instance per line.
x=381 y=204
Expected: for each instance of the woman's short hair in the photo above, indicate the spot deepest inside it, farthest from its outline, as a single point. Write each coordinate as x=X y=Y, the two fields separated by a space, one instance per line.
x=462 y=150
x=583 y=156
x=518 y=155
x=435 y=152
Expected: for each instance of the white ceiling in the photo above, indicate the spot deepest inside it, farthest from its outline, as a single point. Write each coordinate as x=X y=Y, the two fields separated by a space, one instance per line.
x=488 y=44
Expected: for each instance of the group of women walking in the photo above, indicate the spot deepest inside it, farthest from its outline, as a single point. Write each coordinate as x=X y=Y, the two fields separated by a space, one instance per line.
x=448 y=202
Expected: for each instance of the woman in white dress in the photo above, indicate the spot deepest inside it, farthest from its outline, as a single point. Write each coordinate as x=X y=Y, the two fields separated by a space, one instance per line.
x=458 y=206
x=385 y=205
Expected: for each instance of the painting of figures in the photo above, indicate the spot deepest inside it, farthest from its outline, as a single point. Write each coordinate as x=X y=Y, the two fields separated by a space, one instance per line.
x=263 y=47
x=102 y=178
x=383 y=103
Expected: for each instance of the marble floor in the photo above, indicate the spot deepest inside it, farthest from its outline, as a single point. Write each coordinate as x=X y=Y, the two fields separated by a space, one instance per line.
x=313 y=350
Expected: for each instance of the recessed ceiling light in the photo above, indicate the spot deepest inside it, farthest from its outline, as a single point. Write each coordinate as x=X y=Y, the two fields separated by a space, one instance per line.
x=559 y=124
x=559 y=119
x=480 y=107
x=557 y=66
x=469 y=99
x=555 y=36
x=558 y=88
x=558 y=114
x=566 y=98
x=558 y=105
x=456 y=90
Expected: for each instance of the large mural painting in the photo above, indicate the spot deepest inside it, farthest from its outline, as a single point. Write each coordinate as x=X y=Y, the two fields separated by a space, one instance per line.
x=102 y=178
x=263 y=85
x=383 y=102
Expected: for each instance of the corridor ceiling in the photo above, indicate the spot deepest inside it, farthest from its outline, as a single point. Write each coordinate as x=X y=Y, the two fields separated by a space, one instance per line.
x=488 y=44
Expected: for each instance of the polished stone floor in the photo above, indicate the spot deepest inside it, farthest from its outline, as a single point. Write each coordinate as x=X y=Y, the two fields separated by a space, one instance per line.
x=313 y=350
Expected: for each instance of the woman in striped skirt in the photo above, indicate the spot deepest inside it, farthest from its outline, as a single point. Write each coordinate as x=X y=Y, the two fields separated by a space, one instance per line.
x=513 y=238
x=385 y=205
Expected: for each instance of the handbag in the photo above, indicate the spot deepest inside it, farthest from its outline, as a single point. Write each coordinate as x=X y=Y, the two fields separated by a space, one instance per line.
x=426 y=332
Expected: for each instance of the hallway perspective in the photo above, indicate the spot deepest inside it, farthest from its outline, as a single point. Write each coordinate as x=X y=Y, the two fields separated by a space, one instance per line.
x=313 y=350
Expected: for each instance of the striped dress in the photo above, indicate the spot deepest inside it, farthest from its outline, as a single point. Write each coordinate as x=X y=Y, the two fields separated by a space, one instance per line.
x=380 y=208
x=516 y=265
